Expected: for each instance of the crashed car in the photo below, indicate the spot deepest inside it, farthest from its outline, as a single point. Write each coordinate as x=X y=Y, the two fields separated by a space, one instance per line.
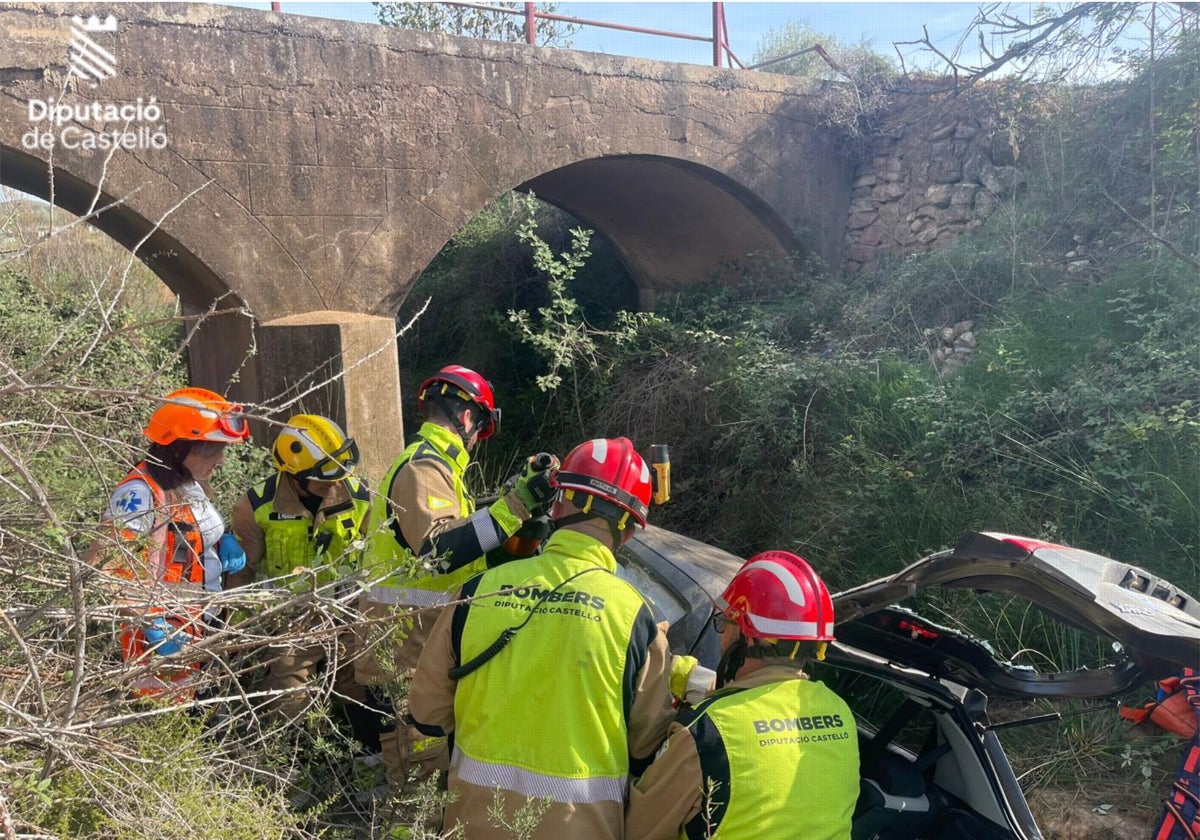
x=932 y=766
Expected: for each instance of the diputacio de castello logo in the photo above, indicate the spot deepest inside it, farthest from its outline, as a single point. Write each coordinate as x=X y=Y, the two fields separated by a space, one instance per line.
x=92 y=125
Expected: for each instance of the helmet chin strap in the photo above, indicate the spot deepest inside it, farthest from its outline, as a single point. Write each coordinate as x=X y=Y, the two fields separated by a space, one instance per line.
x=618 y=526
x=735 y=657
x=732 y=661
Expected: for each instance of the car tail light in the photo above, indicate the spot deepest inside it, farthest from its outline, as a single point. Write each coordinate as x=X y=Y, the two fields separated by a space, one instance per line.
x=1136 y=582
x=916 y=630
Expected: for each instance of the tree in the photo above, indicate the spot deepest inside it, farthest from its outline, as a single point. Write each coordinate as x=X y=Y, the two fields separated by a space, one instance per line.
x=799 y=50
x=454 y=19
x=1153 y=50
x=1072 y=42
x=865 y=76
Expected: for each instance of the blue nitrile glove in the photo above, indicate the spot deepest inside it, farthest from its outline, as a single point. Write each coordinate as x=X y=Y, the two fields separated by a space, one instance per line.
x=165 y=639
x=233 y=557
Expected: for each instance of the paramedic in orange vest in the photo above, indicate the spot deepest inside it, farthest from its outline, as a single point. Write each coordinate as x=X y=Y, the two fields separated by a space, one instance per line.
x=767 y=720
x=168 y=544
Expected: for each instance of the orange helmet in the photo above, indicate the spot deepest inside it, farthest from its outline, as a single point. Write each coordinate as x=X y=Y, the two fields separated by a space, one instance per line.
x=197 y=414
x=777 y=595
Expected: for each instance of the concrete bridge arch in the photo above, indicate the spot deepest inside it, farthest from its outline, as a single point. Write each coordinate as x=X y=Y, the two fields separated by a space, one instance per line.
x=325 y=164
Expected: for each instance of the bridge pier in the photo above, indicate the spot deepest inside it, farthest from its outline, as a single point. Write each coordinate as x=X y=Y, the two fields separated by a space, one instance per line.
x=219 y=354
x=340 y=364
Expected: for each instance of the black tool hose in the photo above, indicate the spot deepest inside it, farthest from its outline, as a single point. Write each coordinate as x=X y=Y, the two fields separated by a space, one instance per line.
x=487 y=653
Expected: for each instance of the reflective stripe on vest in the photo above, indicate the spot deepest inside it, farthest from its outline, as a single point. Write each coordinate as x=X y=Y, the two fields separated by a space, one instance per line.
x=528 y=783
x=1180 y=819
x=793 y=729
x=385 y=554
x=579 y=747
x=409 y=596
x=292 y=542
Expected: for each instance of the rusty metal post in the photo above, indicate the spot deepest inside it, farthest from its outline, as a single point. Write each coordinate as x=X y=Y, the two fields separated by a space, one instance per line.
x=276 y=7
x=530 y=24
x=716 y=30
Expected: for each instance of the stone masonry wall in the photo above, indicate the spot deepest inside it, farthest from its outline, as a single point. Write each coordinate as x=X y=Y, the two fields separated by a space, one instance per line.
x=938 y=168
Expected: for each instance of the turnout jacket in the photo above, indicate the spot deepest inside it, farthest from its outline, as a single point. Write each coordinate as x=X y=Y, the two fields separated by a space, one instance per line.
x=427 y=539
x=580 y=690
x=279 y=534
x=770 y=756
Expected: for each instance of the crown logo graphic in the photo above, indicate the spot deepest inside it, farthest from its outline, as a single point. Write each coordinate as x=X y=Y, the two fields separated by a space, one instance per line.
x=89 y=60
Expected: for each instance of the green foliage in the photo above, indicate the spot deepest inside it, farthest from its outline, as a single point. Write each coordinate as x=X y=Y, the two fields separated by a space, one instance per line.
x=522 y=822
x=477 y=23
x=845 y=60
x=161 y=778
x=861 y=77
x=483 y=273
x=1090 y=750
x=556 y=334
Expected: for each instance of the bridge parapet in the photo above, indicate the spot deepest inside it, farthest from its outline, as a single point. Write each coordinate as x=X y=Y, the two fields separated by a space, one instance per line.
x=315 y=166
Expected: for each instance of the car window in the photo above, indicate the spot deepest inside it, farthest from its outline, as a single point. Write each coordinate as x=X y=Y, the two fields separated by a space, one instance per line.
x=875 y=703
x=666 y=605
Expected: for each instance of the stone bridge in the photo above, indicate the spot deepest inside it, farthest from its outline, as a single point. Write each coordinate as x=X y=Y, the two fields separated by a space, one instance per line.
x=306 y=171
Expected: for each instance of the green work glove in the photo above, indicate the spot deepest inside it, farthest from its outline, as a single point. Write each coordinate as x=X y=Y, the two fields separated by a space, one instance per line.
x=532 y=484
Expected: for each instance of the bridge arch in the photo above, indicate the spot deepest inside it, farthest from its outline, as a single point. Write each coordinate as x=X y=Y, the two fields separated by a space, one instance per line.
x=328 y=162
x=220 y=347
x=673 y=223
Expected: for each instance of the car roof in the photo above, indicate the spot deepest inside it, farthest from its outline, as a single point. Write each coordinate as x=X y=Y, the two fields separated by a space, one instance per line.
x=710 y=567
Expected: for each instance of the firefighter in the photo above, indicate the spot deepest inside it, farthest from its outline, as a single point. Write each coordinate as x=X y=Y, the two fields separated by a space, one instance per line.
x=766 y=720
x=168 y=544
x=550 y=672
x=310 y=516
x=427 y=539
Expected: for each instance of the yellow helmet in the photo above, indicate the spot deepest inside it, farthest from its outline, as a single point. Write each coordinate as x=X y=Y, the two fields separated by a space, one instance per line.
x=314 y=447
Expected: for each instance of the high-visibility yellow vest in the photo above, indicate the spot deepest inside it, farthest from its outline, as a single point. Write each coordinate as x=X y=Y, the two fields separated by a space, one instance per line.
x=292 y=540
x=780 y=760
x=575 y=663
x=387 y=552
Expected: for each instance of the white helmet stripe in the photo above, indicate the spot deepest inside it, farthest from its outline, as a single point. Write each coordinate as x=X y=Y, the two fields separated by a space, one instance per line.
x=599 y=450
x=785 y=576
x=781 y=627
x=314 y=449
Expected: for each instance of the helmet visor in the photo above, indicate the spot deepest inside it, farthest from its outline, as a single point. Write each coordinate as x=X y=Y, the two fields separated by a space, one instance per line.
x=489 y=421
x=233 y=423
x=337 y=465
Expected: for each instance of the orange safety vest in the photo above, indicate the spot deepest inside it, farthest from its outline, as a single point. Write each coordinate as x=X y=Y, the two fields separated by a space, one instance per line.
x=168 y=562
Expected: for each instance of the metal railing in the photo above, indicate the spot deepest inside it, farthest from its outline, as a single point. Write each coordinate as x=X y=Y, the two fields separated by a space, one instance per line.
x=719 y=38
x=722 y=54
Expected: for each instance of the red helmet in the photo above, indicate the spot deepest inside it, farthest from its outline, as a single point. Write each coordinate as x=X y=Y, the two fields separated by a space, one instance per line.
x=197 y=414
x=466 y=384
x=610 y=470
x=777 y=595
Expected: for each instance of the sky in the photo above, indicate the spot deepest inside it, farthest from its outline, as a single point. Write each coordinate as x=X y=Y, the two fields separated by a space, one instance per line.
x=878 y=23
